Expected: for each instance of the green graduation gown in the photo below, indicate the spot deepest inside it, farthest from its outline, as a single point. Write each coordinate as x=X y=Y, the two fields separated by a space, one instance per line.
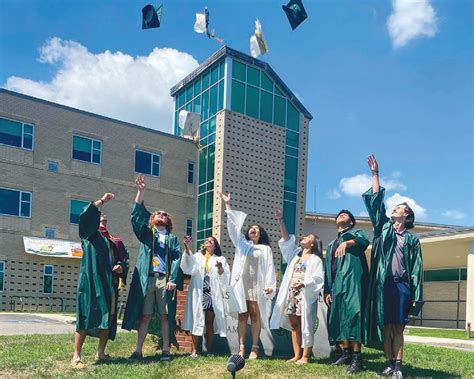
x=348 y=288
x=138 y=287
x=96 y=279
x=383 y=244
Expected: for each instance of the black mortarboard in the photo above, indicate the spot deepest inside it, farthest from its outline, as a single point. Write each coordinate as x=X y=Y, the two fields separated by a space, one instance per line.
x=295 y=12
x=151 y=16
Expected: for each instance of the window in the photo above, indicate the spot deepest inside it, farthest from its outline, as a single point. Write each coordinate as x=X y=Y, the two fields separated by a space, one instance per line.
x=252 y=102
x=279 y=112
x=189 y=227
x=48 y=276
x=2 y=275
x=292 y=118
x=291 y=174
x=86 y=149
x=190 y=172
x=253 y=76
x=147 y=163
x=50 y=232
x=266 y=106
x=238 y=70
x=447 y=274
x=77 y=207
x=16 y=133
x=15 y=203
x=238 y=97
x=53 y=166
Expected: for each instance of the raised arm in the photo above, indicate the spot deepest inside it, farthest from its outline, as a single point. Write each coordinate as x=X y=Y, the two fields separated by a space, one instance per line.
x=226 y=199
x=374 y=168
x=141 y=188
x=283 y=230
x=89 y=219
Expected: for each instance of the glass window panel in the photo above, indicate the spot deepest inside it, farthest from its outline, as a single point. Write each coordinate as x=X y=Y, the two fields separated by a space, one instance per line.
x=81 y=148
x=442 y=275
x=293 y=118
x=142 y=162
x=25 y=196
x=290 y=196
x=189 y=227
x=266 y=82
x=201 y=211
x=2 y=266
x=50 y=233
x=214 y=74
x=47 y=284
x=190 y=172
x=200 y=237
x=205 y=105
x=291 y=173
x=211 y=139
x=278 y=92
x=289 y=215
x=203 y=129
x=176 y=104
x=291 y=151
x=279 y=111
x=25 y=209
x=181 y=98
x=210 y=162
x=202 y=188
x=28 y=141
x=292 y=139
x=205 y=80
x=221 y=69
x=238 y=97
x=220 y=102
x=266 y=106
x=155 y=170
x=156 y=158
x=212 y=125
x=197 y=86
x=9 y=202
x=238 y=70
x=189 y=106
x=77 y=207
x=96 y=145
x=213 y=92
x=463 y=274
x=210 y=186
x=28 y=129
x=48 y=270
x=96 y=156
x=189 y=92
x=197 y=104
x=10 y=132
x=253 y=76
x=202 y=165
x=209 y=207
x=252 y=102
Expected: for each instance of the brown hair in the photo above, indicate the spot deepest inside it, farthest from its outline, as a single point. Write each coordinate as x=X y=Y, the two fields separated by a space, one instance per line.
x=169 y=224
x=317 y=248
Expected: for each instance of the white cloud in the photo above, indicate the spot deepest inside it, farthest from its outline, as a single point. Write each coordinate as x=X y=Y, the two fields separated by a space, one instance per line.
x=333 y=194
x=114 y=84
x=358 y=184
x=454 y=214
x=395 y=199
x=411 y=19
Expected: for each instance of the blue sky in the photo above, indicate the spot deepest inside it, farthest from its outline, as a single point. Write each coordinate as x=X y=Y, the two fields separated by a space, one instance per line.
x=400 y=89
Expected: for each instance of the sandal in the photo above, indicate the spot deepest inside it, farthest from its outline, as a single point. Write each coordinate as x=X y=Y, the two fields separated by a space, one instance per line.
x=254 y=352
x=106 y=358
x=136 y=356
x=78 y=364
x=301 y=362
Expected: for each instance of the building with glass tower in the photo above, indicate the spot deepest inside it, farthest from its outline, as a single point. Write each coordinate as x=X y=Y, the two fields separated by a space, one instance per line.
x=253 y=143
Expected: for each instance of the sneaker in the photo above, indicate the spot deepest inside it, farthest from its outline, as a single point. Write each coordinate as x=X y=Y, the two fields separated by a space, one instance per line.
x=165 y=356
x=387 y=371
x=344 y=359
x=356 y=366
x=136 y=356
x=397 y=374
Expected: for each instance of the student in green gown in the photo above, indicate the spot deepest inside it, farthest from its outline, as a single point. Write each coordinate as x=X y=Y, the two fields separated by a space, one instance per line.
x=156 y=277
x=395 y=284
x=104 y=263
x=346 y=276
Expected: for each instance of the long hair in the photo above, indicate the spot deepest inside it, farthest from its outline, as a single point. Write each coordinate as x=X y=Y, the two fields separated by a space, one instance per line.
x=217 y=248
x=317 y=248
x=263 y=240
x=169 y=224
x=410 y=220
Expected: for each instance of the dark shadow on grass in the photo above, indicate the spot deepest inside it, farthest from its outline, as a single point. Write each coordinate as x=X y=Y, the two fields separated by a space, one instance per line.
x=409 y=370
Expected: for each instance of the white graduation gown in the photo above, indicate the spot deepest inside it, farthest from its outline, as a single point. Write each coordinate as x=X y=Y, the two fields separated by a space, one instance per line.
x=194 y=319
x=313 y=284
x=266 y=276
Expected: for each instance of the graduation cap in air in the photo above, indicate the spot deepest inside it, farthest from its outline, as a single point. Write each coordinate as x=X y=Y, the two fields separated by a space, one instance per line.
x=189 y=123
x=295 y=12
x=151 y=16
x=258 y=45
x=202 y=25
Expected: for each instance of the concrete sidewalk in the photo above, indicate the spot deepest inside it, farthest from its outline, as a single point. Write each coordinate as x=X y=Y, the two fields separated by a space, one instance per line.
x=450 y=343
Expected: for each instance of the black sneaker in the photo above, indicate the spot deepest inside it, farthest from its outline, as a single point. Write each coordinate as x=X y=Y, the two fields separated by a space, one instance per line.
x=387 y=371
x=136 y=356
x=397 y=374
x=356 y=365
x=344 y=359
x=165 y=356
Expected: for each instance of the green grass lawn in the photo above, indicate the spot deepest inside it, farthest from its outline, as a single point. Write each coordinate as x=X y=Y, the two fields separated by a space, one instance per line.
x=440 y=333
x=45 y=356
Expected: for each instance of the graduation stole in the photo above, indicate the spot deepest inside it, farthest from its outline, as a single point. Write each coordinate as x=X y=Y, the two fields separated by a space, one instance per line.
x=166 y=251
x=206 y=266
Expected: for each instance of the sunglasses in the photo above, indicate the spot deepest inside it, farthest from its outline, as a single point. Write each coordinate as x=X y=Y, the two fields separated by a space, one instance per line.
x=160 y=213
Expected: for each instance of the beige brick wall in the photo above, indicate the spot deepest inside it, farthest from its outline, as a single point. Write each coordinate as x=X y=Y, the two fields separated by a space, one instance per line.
x=51 y=192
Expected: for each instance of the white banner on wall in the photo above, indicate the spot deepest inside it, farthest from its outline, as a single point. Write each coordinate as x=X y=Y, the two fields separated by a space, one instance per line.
x=52 y=248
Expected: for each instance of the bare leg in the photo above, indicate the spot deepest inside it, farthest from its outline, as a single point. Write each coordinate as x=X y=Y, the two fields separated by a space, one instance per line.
x=103 y=338
x=142 y=332
x=242 y=330
x=209 y=330
x=387 y=345
x=306 y=354
x=165 y=332
x=295 y=323
x=195 y=344
x=356 y=347
x=254 y=312
x=398 y=340
x=79 y=338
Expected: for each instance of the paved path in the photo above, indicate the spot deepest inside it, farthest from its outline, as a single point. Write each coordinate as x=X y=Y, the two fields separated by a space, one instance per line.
x=30 y=323
x=450 y=343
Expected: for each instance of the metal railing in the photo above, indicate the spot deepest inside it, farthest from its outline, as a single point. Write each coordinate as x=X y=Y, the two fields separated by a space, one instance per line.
x=19 y=302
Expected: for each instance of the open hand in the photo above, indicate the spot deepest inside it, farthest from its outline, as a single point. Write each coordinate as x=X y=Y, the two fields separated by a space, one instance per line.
x=140 y=183
x=170 y=286
x=225 y=198
x=278 y=213
x=341 y=250
x=372 y=162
